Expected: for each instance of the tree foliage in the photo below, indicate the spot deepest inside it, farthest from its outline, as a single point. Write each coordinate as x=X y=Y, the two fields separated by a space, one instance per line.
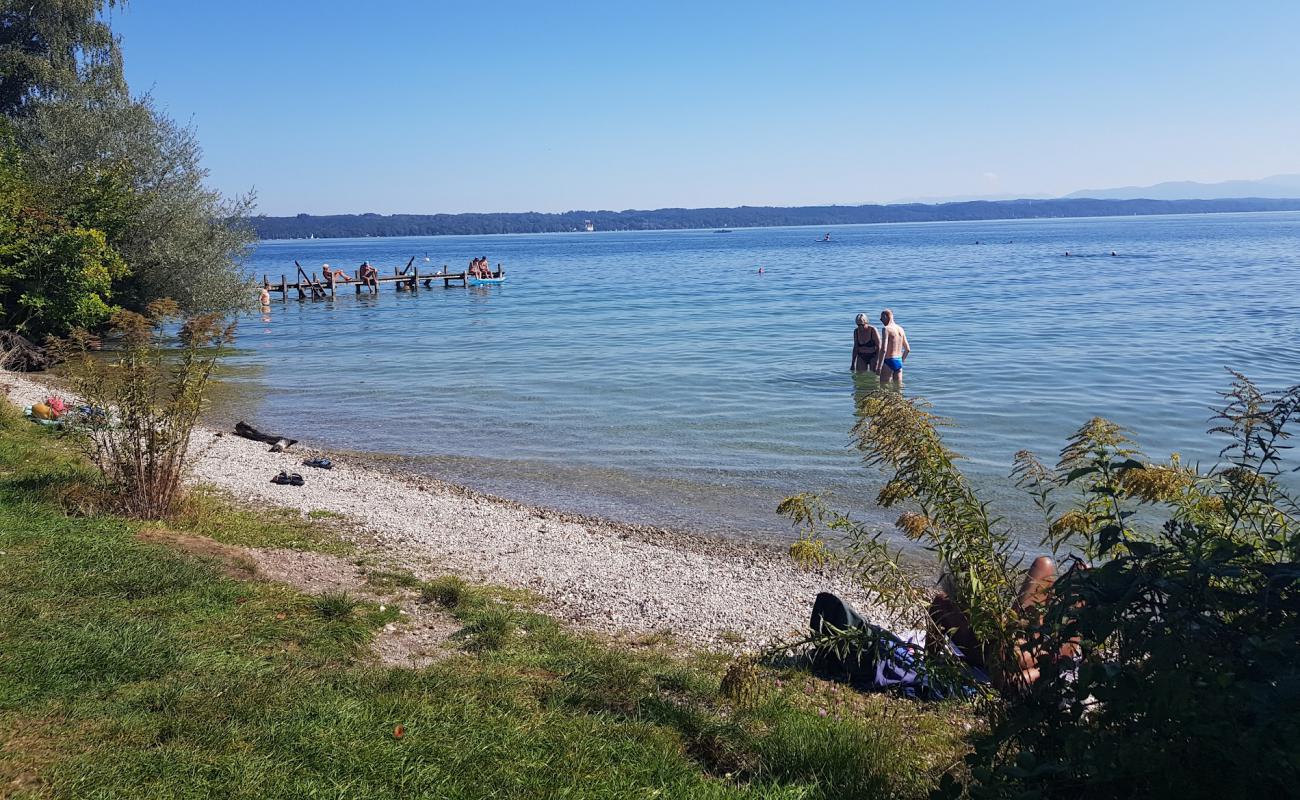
x=49 y=46
x=105 y=200
x=54 y=273
x=121 y=166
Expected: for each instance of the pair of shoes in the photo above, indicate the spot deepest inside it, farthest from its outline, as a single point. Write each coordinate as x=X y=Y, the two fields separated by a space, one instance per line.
x=319 y=463
x=286 y=479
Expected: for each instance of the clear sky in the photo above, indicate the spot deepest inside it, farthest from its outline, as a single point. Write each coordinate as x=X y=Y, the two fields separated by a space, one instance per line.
x=425 y=107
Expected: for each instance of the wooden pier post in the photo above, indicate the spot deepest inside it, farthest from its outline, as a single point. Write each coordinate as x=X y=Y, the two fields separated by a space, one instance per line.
x=284 y=288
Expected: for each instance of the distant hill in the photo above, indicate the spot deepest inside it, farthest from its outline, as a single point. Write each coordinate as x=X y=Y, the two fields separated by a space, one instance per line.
x=303 y=226
x=1272 y=187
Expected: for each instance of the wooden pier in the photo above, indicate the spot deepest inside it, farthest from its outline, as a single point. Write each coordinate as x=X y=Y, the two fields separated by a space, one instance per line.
x=407 y=279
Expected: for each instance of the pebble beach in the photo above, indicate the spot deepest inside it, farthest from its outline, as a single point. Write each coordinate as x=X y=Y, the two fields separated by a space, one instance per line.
x=597 y=575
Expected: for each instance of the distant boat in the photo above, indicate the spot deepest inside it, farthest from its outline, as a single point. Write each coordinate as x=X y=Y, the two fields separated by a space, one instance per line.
x=723 y=230
x=589 y=226
x=826 y=238
x=470 y=280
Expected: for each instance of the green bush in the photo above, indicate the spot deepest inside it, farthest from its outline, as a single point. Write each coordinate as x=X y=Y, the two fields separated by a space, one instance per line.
x=1178 y=612
x=1189 y=680
x=103 y=200
x=54 y=274
x=144 y=405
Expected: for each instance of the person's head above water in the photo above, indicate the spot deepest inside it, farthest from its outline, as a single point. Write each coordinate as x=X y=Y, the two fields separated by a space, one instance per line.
x=886 y=316
x=861 y=320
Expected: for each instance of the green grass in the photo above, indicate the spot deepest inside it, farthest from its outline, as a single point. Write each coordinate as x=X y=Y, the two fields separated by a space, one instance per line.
x=209 y=512
x=131 y=670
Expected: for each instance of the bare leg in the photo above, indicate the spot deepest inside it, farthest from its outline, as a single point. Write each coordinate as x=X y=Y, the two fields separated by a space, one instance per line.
x=1042 y=574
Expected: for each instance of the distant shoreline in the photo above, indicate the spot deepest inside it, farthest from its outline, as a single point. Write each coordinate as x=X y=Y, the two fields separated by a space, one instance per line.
x=348 y=226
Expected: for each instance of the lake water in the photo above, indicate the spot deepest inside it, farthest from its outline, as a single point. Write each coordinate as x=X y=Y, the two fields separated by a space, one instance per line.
x=656 y=377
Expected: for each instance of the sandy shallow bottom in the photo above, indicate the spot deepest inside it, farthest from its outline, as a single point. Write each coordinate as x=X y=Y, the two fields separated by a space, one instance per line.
x=597 y=575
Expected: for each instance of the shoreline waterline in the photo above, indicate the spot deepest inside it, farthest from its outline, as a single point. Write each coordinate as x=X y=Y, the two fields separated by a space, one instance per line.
x=612 y=578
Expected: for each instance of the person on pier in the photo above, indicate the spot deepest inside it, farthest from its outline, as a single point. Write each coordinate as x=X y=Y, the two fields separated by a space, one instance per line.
x=332 y=275
x=369 y=276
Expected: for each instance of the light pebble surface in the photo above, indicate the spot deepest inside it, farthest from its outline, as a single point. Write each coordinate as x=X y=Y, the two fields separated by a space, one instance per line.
x=597 y=575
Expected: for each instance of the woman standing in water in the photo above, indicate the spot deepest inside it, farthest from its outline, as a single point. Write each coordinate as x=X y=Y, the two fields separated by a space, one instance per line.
x=866 y=344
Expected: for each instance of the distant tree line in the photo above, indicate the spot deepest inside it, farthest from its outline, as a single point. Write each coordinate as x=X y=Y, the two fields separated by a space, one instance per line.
x=347 y=225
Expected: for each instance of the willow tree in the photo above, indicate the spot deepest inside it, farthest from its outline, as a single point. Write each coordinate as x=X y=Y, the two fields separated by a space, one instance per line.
x=101 y=160
x=47 y=46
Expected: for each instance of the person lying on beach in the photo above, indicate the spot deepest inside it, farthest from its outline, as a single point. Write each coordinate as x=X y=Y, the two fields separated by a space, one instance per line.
x=866 y=343
x=893 y=350
x=1020 y=669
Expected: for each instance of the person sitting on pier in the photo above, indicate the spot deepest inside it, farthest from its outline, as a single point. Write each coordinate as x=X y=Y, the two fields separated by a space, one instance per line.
x=332 y=275
x=369 y=276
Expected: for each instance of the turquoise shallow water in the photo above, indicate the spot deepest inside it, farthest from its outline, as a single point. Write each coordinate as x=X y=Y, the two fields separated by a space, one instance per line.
x=656 y=377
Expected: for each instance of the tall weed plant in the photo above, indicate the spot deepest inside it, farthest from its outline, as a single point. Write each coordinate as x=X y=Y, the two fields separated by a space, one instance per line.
x=1179 y=593
x=142 y=404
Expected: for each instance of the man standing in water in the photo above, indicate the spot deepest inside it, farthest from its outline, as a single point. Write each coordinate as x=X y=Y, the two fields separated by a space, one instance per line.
x=893 y=350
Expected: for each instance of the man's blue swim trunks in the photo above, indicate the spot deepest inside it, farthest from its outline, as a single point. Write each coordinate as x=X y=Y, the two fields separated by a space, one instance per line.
x=896 y=364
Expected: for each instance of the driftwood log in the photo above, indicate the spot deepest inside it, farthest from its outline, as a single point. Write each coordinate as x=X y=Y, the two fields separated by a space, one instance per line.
x=278 y=443
x=19 y=354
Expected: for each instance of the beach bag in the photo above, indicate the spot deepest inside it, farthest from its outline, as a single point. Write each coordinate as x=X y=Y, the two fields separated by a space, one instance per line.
x=881 y=660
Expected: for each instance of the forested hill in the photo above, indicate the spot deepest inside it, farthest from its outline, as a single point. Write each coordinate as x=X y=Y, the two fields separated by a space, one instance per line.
x=345 y=225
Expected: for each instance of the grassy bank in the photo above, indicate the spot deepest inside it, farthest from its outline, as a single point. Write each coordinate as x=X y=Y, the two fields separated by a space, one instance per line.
x=130 y=669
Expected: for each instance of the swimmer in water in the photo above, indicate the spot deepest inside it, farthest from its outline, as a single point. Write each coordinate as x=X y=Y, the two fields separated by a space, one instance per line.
x=894 y=350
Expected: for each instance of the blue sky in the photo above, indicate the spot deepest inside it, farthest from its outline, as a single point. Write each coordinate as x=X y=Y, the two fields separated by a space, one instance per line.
x=426 y=107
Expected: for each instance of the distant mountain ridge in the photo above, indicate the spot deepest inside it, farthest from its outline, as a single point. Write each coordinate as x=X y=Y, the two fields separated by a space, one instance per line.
x=1274 y=186
x=304 y=226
